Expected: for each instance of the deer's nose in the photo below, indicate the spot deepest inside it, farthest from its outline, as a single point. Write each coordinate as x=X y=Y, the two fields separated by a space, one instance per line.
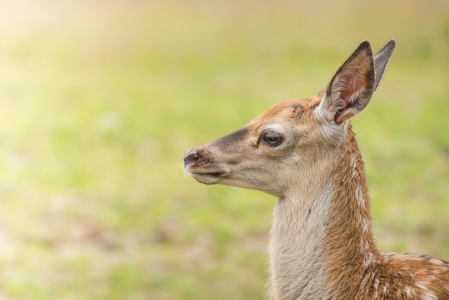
x=191 y=158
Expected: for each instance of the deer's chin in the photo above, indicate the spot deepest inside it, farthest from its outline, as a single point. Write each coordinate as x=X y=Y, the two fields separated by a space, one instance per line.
x=207 y=176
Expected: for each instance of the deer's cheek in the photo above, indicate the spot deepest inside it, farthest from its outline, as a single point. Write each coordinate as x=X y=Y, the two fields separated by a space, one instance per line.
x=281 y=151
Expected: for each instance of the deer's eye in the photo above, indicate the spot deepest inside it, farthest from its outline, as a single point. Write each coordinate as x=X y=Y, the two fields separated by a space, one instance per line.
x=272 y=138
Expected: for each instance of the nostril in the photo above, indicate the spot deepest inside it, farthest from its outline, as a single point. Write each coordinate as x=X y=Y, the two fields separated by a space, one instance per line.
x=191 y=158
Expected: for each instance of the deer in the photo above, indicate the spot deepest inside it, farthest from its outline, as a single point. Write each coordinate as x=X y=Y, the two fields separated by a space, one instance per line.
x=304 y=152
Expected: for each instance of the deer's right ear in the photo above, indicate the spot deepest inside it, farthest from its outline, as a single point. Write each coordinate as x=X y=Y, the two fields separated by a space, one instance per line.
x=351 y=88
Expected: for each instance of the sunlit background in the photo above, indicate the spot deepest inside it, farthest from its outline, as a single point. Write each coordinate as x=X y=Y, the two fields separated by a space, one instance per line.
x=99 y=100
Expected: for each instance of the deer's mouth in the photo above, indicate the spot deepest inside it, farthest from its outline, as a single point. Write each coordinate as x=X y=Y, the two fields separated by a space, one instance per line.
x=207 y=176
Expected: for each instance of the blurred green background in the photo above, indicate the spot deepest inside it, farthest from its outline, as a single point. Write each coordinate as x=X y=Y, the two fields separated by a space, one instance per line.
x=99 y=100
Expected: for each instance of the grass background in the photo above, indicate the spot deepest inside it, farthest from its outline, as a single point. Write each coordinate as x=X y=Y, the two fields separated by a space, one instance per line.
x=99 y=100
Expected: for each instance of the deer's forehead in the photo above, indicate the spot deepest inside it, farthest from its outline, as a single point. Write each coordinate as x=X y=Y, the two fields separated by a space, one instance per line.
x=286 y=111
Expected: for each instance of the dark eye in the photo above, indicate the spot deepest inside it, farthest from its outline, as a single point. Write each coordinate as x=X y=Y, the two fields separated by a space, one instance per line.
x=272 y=138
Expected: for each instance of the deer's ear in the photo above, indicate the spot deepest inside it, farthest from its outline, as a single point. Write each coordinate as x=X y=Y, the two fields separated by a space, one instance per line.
x=381 y=60
x=351 y=88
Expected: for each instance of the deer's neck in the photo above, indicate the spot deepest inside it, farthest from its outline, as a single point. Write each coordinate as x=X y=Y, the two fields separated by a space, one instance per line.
x=321 y=235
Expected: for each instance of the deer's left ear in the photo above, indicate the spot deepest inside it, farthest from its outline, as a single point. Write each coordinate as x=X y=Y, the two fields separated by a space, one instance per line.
x=351 y=88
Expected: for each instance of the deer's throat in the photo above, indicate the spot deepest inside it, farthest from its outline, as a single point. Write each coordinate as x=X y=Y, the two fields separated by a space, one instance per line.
x=297 y=245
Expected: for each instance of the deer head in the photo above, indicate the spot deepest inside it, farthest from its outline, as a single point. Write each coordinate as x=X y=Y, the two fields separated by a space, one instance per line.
x=277 y=149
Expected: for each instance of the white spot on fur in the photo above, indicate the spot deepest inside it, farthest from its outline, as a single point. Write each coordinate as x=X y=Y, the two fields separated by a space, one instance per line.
x=365 y=226
x=353 y=166
x=376 y=286
x=409 y=291
x=422 y=285
x=369 y=259
x=436 y=261
x=363 y=223
x=359 y=196
x=427 y=295
x=364 y=246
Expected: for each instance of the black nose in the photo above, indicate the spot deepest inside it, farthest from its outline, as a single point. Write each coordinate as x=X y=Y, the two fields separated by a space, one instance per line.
x=191 y=158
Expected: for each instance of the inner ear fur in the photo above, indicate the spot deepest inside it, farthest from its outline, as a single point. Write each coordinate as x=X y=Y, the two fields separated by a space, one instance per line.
x=352 y=87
